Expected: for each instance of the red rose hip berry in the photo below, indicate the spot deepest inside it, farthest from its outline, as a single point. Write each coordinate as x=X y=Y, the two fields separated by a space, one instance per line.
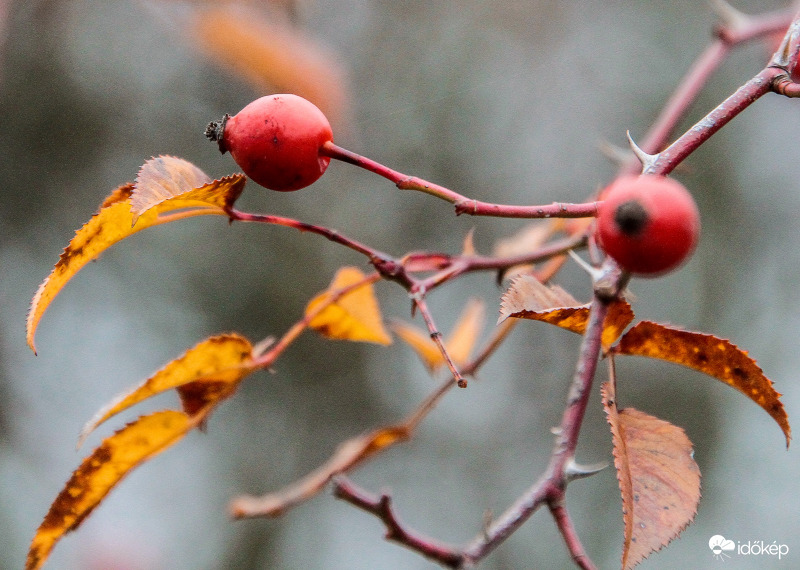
x=648 y=224
x=276 y=141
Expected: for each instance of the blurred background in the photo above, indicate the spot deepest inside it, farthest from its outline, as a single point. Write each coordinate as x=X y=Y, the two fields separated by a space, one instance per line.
x=504 y=101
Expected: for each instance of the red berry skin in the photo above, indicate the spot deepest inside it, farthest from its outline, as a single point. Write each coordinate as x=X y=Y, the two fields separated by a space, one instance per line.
x=276 y=141
x=648 y=224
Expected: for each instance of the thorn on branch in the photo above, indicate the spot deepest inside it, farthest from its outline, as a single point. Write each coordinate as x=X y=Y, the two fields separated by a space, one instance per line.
x=594 y=272
x=731 y=19
x=574 y=470
x=647 y=160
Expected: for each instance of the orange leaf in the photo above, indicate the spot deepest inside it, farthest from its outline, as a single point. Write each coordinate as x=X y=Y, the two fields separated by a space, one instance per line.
x=462 y=338
x=528 y=298
x=272 y=54
x=206 y=373
x=354 y=316
x=114 y=222
x=101 y=471
x=420 y=341
x=459 y=343
x=349 y=454
x=711 y=355
x=658 y=479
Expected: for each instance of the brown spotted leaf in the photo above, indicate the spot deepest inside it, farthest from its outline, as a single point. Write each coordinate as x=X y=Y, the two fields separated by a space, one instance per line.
x=348 y=455
x=354 y=315
x=114 y=222
x=459 y=343
x=658 y=479
x=714 y=356
x=206 y=373
x=101 y=471
x=528 y=298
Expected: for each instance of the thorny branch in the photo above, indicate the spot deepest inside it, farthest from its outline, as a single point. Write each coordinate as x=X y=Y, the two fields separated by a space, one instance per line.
x=550 y=489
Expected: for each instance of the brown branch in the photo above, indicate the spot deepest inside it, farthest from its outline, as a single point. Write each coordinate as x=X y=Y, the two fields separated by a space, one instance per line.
x=418 y=297
x=463 y=204
x=666 y=161
x=567 y=529
x=551 y=486
x=381 y=507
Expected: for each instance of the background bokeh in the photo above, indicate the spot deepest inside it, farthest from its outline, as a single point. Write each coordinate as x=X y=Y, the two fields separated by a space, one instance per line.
x=505 y=101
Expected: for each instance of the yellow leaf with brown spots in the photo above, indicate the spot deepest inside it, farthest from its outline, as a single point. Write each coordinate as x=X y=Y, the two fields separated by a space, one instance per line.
x=711 y=355
x=208 y=372
x=101 y=471
x=115 y=221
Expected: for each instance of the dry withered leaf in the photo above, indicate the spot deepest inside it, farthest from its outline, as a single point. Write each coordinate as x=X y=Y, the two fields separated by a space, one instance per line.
x=526 y=294
x=527 y=240
x=207 y=372
x=708 y=354
x=528 y=298
x=658 y=479
x=354 y=316
x=114 y=222
x=468 y=248
x=162 y=178
x=101 y=471
x=459 y=343
x=349 y=454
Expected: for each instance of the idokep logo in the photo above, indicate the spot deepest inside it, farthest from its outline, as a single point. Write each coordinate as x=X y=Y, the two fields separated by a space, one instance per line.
x=721 y=546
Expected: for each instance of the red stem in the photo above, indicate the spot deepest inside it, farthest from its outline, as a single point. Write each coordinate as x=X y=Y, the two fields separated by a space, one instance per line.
x=564 y=523
x=683 y=97
x=554 y=210
x=703 y=130
x=463 y=204
x=332 y=235
x=551 y=486
x=698 y=75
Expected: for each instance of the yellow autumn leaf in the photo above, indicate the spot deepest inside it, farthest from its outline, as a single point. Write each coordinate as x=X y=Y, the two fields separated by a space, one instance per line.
x=354 y=315
x=420 y=341
x=462 y=338
x=114 y=222
x=459 y=343
x=215 y=366
x=101 y=471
